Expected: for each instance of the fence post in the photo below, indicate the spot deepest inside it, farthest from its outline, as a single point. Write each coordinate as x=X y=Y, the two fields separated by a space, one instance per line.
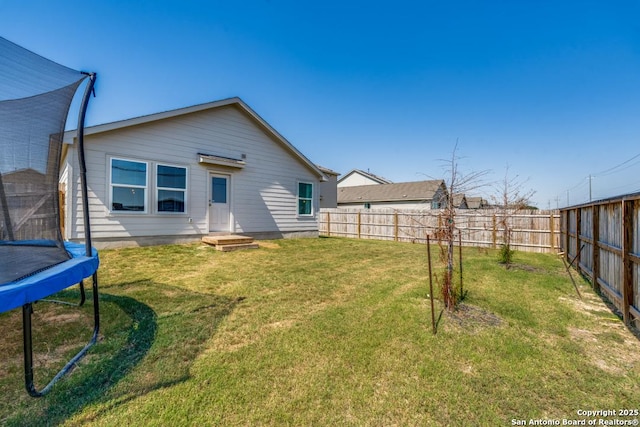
x=494 y=235
x=328 y=224
x=552 y=231
x=359 y=219
x=395 y=226
x=595 y=255
x=578 y=231
x=627 y=278
x=567 y=236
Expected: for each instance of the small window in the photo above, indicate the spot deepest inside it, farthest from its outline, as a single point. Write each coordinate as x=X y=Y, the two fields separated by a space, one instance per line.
x=128 y=186
x=171 y=187
x=367 y=205
x=218 y=189
x=305 y=199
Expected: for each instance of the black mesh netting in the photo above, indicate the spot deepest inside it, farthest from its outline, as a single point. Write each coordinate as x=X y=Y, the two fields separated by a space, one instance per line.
x=35 y=96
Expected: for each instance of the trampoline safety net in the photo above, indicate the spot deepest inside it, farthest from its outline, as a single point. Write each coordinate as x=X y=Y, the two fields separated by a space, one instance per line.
x=35 y=97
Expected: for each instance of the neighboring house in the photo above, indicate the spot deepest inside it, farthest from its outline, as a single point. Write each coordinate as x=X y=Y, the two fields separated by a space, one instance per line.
x=460 y=201
x=178 y=175
x=359 y=177
x=404 y=195
x=329 y=189
x=477 y=203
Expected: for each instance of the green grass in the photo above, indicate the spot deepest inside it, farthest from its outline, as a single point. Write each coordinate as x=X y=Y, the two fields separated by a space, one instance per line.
x=319 y=332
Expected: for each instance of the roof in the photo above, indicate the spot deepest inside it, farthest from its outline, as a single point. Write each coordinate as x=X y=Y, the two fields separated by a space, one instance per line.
x=69 y=136
x=328 y=171
x=476 y=202
x=402 y=191
x=459 y=199
x=369 y=175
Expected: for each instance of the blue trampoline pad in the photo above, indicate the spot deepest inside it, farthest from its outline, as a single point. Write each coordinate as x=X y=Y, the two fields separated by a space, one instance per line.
x=47 y=282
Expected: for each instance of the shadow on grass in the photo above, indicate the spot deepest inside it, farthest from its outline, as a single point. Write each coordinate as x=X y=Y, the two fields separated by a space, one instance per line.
x=152 y=350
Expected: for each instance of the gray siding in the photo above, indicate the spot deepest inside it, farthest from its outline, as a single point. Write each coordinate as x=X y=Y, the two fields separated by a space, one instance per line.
x=263 y=194
x=329 y=192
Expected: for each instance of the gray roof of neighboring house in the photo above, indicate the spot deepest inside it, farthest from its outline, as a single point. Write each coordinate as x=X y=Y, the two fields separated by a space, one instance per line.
x=476 y=202
x=458 y=200
x=369 y=175
x=402 y=191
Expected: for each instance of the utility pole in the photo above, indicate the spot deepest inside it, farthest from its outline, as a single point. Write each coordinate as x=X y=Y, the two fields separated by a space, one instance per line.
x=590 y=198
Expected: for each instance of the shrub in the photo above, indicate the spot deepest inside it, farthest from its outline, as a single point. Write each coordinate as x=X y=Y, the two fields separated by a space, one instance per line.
x=505 y=256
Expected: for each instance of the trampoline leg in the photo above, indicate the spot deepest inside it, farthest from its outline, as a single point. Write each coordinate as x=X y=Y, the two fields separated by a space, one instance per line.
x=27 y=311
x=82 y=296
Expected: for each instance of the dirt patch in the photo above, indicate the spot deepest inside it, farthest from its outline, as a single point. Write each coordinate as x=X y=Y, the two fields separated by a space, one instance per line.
x=612 y=349
x=472 y=318
x=524 y=267
x=61 y=317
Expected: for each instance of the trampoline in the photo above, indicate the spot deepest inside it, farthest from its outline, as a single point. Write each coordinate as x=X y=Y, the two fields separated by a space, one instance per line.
x=35 y=262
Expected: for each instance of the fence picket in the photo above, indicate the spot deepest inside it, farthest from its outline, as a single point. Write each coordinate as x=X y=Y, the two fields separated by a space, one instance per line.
x=532 y=230
x=610 y=231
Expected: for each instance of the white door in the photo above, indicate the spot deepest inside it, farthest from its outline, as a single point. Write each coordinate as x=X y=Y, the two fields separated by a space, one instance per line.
x=219 y=206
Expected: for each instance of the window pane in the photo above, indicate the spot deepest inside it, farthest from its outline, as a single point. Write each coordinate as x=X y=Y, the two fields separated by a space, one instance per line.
x=218 y=190
x=127 y=199
x=172 y=177
x=128 y=173
x=170 y=201
x=304 y=207
x=305 y=190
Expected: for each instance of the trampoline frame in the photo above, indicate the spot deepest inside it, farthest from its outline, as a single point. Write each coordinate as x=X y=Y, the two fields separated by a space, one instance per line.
x=27 y=309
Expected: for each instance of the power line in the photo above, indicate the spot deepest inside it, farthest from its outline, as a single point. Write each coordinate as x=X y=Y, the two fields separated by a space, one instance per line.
x=606 y=172
x=611 y=170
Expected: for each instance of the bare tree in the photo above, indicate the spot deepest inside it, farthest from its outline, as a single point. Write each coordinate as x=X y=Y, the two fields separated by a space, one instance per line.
x=511 y=198
x=456 y=183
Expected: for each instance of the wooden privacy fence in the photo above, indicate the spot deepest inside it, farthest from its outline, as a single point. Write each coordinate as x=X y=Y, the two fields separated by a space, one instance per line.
x=531 y=230
x=604 y=240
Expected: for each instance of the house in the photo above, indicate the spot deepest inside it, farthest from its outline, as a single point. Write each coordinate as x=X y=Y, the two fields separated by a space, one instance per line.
x=460 y=201
x=360 y=177
x=179 y=175
x=329 y=189
x=419 y=195
x=477 y=203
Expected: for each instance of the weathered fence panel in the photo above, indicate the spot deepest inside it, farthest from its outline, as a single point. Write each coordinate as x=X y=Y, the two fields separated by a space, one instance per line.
x=602 y=239
x=531 y=230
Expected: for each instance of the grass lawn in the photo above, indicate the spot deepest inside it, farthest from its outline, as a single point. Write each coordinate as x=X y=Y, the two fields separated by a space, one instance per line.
x=324 y=331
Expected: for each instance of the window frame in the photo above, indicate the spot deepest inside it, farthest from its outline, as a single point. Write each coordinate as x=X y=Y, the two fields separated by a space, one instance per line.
x=310 y=199
x=143 y=187
x=158 y=188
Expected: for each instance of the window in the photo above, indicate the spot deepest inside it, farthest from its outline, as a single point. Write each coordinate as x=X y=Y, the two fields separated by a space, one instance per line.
x=218 y=189
x=128 y=186
x=305 y=199
x=367 y=205
x=171 y=188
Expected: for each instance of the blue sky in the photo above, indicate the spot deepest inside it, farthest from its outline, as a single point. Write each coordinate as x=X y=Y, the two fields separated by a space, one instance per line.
x=550 y=88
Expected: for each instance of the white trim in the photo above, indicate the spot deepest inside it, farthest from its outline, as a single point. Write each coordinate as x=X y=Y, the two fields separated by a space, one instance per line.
x=311 y=199
x=221 y=161
x=157 y=188
x=111 y=185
